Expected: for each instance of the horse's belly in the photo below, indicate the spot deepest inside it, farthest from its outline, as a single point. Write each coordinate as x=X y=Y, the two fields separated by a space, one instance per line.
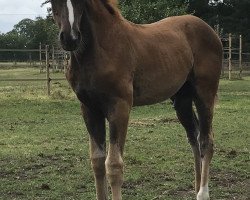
x=161 y=72
x=154 y=90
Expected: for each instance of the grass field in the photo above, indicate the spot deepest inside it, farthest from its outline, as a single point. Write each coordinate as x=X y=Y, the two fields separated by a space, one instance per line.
x=44 y=146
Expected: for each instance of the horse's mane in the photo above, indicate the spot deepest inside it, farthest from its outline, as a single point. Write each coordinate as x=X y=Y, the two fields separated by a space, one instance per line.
x=111 y=6
x=113 y=2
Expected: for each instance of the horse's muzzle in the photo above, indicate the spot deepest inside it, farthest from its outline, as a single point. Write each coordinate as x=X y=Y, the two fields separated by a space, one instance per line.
x=70 y=42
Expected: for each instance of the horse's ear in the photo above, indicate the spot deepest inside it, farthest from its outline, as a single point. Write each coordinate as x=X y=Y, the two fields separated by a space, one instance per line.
x=45 y=2
x=110 y=5
x=113 y=2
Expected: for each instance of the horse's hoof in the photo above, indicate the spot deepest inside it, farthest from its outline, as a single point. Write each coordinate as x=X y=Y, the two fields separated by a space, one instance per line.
x=203 y=196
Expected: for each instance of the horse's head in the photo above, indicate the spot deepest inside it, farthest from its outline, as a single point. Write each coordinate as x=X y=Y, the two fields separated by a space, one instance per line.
x=67 y=14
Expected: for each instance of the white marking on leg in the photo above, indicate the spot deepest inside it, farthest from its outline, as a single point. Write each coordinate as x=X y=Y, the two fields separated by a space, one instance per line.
x=71 y=17
x=98 y=152
x=203 y=193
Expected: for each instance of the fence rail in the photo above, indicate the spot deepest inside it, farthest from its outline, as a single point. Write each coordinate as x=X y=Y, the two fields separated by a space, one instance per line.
x=21 y=50
x=32 y=79
x=50 y=58
x=47 y=58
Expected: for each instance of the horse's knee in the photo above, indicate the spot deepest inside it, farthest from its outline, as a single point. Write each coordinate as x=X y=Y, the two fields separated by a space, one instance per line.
x=98 y=165
x=192 y=138
x=114 y=170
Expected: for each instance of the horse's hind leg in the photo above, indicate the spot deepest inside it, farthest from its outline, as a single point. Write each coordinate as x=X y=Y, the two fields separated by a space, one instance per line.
x=185 y=113
x=205 y=95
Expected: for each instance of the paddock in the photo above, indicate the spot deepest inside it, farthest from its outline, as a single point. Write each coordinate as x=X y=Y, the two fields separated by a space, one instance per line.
x=51 y=62
x=44 y=145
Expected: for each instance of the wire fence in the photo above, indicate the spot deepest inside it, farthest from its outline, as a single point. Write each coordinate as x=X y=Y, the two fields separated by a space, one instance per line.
x=45 y=59
x=236 y=63
x=49 y=60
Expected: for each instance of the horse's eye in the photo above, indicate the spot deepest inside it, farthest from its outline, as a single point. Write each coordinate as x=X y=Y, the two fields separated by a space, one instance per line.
x=55 y=13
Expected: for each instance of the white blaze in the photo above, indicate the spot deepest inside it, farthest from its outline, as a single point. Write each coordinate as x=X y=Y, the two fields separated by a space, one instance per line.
x=71 y=15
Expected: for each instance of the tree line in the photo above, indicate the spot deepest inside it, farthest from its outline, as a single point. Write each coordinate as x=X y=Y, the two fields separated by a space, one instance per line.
x=232 y=16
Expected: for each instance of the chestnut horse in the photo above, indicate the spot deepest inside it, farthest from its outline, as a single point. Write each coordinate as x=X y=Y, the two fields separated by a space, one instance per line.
x=116 y=64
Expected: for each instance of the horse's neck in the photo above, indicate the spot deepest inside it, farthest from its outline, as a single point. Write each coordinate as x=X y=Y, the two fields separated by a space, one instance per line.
x=103 y=22
x=102 y=28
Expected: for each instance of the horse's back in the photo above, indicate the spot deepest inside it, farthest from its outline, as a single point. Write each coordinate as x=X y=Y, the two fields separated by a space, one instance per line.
x=169 y=50
x=204 y=42
x=196 y=31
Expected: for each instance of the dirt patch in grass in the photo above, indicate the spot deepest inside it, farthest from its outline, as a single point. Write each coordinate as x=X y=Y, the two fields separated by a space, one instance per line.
x=36 y=166
x=149 y=122
x=182 y=193
x=233 y=185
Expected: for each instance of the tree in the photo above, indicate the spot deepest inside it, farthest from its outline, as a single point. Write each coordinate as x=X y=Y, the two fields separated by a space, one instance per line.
x=35 y=32
x=24 y=27
x=147 y=11
x=11 y=40
x=28 y=34
x=233 y=16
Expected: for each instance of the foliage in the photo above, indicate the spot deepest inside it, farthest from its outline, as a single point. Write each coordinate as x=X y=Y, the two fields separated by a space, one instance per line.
x=233 y=16
x=29 y=33
x=146 y=11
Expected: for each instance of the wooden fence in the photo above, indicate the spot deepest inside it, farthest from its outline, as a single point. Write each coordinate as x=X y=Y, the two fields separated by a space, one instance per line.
x=235 y=60
x=49 y=53
x=48 y=59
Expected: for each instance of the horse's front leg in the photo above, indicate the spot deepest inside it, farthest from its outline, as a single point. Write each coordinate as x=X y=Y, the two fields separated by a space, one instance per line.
x=95 y=122
x=118 y=122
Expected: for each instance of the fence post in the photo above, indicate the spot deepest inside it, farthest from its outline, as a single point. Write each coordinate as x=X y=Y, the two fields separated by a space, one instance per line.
x=53 y=59
x=230 y=57
x=47 y=69
x=30 y=59
x=65 y=63
x=15 y=62
x=40 y=57
x=240 y=58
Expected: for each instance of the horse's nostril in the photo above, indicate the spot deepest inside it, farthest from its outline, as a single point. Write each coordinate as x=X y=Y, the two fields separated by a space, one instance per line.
x=78 y=35
x=69 y=39
x=62 y=36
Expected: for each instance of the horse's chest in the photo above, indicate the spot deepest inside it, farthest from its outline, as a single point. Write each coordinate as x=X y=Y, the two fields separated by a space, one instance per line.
x=92 y=97
x=92 y=89
x=88 y=97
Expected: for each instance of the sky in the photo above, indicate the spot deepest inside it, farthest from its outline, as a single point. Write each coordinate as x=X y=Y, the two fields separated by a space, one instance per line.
x=13 y=11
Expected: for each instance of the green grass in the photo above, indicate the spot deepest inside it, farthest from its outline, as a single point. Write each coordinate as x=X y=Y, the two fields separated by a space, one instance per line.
x=44 y=146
